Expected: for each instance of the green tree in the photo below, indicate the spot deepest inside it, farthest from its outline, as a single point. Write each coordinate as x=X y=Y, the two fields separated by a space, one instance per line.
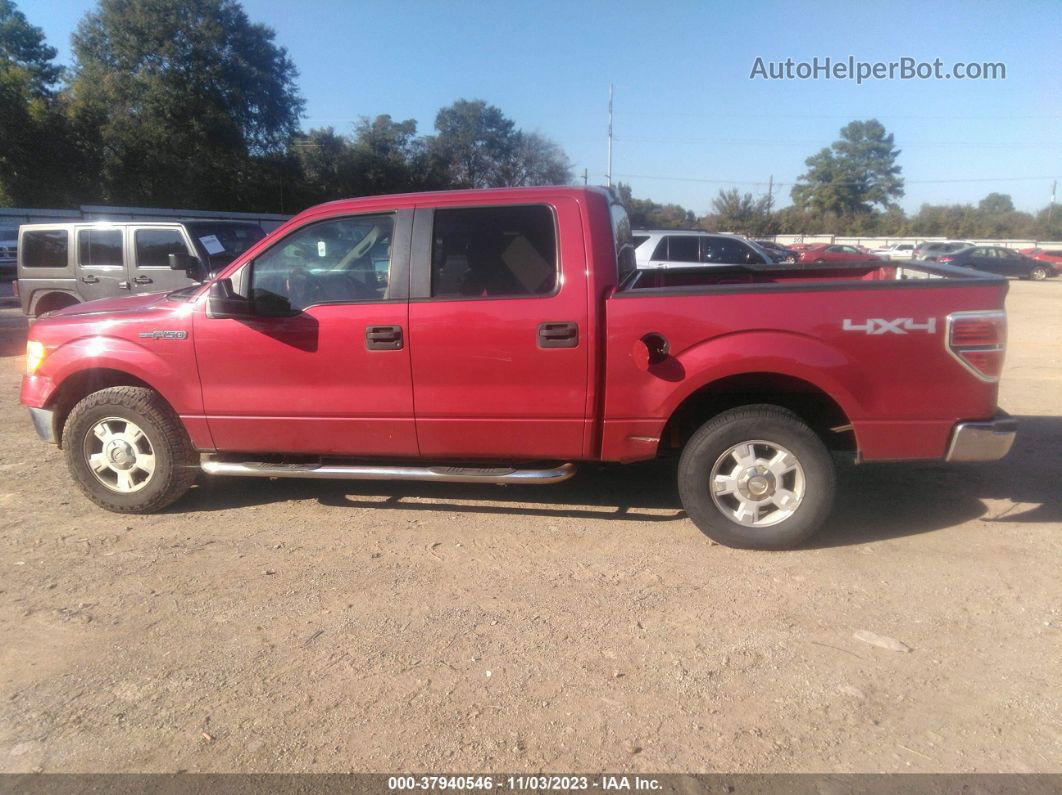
x=475 y=140
x=853 y=175
x=742 y=213
x=39 y=164
x=536 y=160
x=647 y=214
x=23 y=48
x=996 y=204
x=183 y=100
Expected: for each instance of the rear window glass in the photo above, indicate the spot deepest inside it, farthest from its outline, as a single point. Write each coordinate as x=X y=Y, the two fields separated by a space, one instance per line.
x=44 y=249
x=494 y=251
x=99 y=247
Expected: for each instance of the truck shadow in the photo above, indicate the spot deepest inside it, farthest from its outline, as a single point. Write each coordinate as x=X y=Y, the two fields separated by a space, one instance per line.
x=875 y=502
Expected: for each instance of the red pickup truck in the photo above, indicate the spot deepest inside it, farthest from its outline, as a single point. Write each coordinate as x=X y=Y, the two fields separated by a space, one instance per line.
x=502 y=336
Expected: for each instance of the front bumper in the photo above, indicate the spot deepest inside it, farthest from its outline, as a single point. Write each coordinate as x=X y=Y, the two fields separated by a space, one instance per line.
x=44 y=424
x=982 y=441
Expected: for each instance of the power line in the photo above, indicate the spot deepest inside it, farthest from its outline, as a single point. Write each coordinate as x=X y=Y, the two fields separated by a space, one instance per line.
x=776 y=184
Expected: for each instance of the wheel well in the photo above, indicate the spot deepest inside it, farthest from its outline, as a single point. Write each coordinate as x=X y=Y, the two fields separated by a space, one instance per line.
x=821 y=412
x=52 y=301
x=79 y=386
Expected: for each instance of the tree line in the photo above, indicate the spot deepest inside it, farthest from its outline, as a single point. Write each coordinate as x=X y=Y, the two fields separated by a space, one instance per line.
x=188 y=103
x=851 y=188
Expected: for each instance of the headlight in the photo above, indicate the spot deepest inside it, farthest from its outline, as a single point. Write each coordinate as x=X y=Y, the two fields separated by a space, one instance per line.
x=34 y=356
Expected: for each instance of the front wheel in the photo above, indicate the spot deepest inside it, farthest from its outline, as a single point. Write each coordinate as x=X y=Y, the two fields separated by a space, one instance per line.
x=1038 y=274
x=756 y=477
x=128 y=451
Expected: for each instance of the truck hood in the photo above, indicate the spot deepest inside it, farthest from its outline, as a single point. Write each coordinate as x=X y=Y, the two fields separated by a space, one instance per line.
x=126 y=303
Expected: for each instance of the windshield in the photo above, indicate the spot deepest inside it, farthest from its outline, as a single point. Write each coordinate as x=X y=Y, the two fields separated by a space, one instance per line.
x=223 y=242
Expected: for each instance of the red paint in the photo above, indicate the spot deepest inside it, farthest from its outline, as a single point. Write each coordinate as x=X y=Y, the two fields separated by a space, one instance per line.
x=471 y=381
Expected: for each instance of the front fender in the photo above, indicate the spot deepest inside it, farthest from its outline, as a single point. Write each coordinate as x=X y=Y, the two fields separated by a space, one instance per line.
x=167 y=366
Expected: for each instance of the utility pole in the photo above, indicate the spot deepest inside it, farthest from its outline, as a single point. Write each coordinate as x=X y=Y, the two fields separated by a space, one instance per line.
x=770 y=192
x=586 y=177
x=1051 y=206
x=608 y=176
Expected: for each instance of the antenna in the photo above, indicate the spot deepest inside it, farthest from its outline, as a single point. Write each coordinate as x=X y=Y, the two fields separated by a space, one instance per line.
x=608 y=176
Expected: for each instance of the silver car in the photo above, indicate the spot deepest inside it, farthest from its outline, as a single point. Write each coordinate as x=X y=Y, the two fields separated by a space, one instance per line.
x=684 y=248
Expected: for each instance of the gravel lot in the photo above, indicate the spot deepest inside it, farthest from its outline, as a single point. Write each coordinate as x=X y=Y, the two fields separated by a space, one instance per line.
x=329 y=626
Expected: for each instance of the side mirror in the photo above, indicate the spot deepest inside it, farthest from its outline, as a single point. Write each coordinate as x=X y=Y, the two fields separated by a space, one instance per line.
x=182 y=262
x=223 y=302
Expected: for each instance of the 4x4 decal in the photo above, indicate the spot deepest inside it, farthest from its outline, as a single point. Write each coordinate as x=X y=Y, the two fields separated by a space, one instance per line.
x=901 y=325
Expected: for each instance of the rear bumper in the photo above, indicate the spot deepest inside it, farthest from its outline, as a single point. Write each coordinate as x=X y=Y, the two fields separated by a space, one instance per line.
x=982 y=441
x=44 y=424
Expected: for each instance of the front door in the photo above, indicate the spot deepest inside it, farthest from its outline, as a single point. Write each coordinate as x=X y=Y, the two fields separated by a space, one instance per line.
x=498 y=338
x=101 y=268
x=151 y=246
x=323 y=368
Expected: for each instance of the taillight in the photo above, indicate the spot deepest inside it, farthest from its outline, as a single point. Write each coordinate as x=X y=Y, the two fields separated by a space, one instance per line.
x=14 y=288
x=978 y=340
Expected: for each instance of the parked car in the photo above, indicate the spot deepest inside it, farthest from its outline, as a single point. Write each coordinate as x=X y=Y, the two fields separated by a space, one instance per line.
x=778 y=252
x=1052 y=256
x=901 y=251
x=1003 y=261
x=68 y=263
x=508 y=327
x=931 y=252
x=827 y=252
x=672 y=248
x=8 y=255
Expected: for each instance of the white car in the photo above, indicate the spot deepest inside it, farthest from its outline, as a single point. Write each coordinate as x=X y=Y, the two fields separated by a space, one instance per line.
x=896 y=251
x=686 y=248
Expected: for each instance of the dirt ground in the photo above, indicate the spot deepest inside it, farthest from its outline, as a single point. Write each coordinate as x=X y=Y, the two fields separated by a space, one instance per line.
x=329 y=626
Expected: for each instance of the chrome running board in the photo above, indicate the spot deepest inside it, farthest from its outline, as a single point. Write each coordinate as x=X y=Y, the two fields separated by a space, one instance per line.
x=447 y=474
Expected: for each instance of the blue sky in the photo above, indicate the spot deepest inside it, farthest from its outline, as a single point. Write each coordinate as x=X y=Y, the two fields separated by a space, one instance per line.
x=688 y=120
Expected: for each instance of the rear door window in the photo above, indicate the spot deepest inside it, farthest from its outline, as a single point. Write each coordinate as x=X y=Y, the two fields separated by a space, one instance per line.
x=154 y=246
x=488 y=252
x=683 y=248
x=99 y=248
x=45 y=248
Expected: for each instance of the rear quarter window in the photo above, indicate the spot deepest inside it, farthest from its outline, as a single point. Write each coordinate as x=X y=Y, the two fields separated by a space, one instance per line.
x=46 y=248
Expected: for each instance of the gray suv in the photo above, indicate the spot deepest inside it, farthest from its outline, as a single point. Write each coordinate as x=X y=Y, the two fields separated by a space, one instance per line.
x=70 y=263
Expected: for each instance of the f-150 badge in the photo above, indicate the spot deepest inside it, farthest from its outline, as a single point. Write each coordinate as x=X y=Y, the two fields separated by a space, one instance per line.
x=901 y=325
x=164 y=335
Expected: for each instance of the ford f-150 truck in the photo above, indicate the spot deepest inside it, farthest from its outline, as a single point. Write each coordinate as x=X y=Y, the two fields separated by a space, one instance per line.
x=503 y=336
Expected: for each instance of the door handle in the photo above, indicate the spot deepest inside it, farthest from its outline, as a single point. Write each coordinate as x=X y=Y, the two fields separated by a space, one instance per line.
x=90 y=279
x=142 y=280
x=383 y=338
x=558 y=335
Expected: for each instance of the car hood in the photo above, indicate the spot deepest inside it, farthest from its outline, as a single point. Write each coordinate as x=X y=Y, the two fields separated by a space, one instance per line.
x=126 y=303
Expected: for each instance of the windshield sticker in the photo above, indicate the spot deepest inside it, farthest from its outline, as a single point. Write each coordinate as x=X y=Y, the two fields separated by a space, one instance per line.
x=212 y=244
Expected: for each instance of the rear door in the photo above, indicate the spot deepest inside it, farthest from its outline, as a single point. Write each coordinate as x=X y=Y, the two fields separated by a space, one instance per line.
x=497 y=334
x=101 y=261
x=151 y=246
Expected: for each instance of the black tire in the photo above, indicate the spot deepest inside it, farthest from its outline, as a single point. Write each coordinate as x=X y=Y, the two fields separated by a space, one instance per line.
x=175 y=464
x=1038 y=274
x=776 y=426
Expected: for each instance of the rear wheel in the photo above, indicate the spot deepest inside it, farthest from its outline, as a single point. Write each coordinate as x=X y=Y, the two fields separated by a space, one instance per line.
x=128 y=451
x=1038 y=274
x=757 y=478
